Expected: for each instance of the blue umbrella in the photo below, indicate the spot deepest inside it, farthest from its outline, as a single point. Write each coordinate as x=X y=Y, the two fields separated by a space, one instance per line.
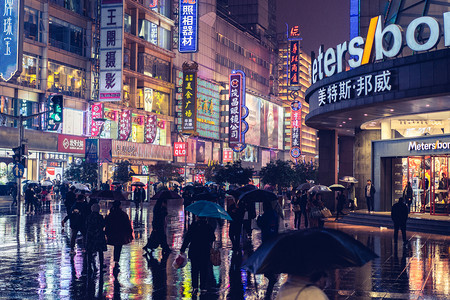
x=208 y=209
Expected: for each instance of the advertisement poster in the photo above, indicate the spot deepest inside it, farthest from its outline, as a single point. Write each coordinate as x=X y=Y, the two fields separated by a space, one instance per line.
x=150 y=129
x=254 y=127
x=269 y=124
x=125 y=125
x=200 y=152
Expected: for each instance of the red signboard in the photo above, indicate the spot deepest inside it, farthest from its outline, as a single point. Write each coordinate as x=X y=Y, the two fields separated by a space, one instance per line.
x=227 y=155
x=150 y=129
x=296 y=125
x=125 y=125
x=96 y=113
x=71 y=144
x=179 y=149
x=293 y=62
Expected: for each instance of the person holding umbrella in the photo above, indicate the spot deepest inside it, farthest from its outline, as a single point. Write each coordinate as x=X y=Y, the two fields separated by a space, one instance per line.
x=199 y=239
x=236 y=212
x=118 y=231
x=340 y=204
x=351 y=196
x=158 y=235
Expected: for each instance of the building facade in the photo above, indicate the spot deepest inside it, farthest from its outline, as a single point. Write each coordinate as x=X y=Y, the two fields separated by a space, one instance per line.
x=386 y=116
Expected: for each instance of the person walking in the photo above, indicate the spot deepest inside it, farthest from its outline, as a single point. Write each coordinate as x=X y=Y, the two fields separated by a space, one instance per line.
x=369 y=192
x=268 y=222
x=159 y=224
x=399 y=215
x=29 y=199
x=340 y=204
x=70 y=198
x=302 y=287
x=137 y=197
x=408 y=195
x=95 y=236
x=236 y=212
x=351 y=195
x=118 y=231
x=77 y=216
x=13 y=193
x=296 y=208
x=199 y=238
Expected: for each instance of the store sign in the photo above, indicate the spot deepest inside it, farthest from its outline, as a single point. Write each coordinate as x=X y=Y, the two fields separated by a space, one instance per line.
x=91 y=150
x=179 y=149
x=438 y=145
x=71 y=144
x=362 y=86
x=150 y=129
x=111 y=50
x=105 y=150
x=125 y=125
x=148 y=99
x=208 y=109
x=189 y=98
x=139 y=151
x=10 y=44
x=360 y=50
x=294 y=54
x=237 y=112
x=296 y=125
x=96 y=113
x=188 y=22
x=227 y=155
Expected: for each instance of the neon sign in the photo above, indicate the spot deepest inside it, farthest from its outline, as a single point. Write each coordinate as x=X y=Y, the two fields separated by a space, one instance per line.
x=188 y=32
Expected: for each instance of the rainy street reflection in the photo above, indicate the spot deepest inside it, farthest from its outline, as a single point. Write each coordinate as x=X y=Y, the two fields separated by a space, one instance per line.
x=35 y=263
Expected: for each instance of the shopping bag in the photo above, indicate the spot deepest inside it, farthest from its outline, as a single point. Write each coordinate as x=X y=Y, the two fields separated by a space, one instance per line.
x=215 y=256
x=326 y=213
x=180 y=261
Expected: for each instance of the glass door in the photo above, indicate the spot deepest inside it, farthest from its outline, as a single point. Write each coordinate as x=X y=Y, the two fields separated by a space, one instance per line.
x=439 y=202
x=416 y=175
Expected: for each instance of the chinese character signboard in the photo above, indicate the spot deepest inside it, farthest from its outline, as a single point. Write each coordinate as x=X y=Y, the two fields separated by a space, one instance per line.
x=179 y=149
x=188 y=32
x=189 y=98
x=208 y=109
x=71 y=144
x=237 y=111
x=10 y=45
x=111 y=50
x=293 y=62
x=296 y=124
x=96 y=113
x=353 y=88
x=125 y=125
x=150 y=129
x=227 y=155
x=91 y=153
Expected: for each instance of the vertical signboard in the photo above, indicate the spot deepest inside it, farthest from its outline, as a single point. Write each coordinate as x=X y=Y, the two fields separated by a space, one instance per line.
x=111 y=50
x=91 y=153
x=150 y=129
x=237 y=111
x=189 y=98
x=296 y=125
x=96 y=113
x=10 y=41
x=293 y=62
x=188 y=32
x=227 y=155
x=179 y=149
x=125 y=125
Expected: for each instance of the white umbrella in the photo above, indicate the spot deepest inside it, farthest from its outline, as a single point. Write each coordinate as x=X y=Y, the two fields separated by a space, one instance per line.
x=46 y=183
x=319 y=189
x=348 y=179
x=81 y=187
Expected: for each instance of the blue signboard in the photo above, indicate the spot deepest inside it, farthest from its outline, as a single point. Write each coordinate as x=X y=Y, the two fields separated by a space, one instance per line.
x=91 y=150
x=188 y=26
x=9 y=38
x=18 y=170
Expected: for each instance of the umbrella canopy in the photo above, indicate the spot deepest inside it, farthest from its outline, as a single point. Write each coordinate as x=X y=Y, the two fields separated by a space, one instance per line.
x=81 y=187
x=210 y=182
x=46 y=183
x=165 y=194
x=115 y=183
x=138 y=183
x=174 y=182
x=108 y=195
x=319 y=189
x=258 y=196
x=246 y=188
x=208 y=209
x=337 y=187
x=305 y=186
x=30 y=182
x=348 y=179
x=304 y=252
x=208 y=196
x=196 y=189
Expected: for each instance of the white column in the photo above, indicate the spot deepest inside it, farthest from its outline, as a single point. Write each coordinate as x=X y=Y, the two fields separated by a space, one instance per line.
x=386 y=132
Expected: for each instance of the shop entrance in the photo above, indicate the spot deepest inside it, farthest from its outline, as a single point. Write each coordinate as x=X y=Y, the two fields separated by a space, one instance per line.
x=428 y=176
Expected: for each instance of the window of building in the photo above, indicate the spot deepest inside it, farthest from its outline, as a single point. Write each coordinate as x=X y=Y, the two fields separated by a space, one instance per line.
x=30 y=23
x=30 y=72
x=153 y=66
x=66 y=36
x=160 y=6
x=164 y=38
x=160 y=103
x=148 y=31
x=66 y=80
x=72 y=5
x=127 y=23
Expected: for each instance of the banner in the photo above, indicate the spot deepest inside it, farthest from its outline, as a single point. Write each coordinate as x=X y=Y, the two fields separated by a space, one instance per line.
x=188 y=26
x=111 y=50
x=91 y=153
x=96 y=113
x=296 y=125
x=227 y=155
x=105 y=150
x=179 y=149
x=125 y=125
x=150 y=129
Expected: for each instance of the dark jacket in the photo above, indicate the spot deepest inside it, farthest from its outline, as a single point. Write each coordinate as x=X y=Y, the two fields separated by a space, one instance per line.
x=372 y=190
x=70 y=199
x=118 y=227
x=399 y=213
x=95 y=233
x=268 y=223
x=408 y=193
x=78 y=215
x=159 y=217
x=237 y=214
x=199 y=239
x=29 y=195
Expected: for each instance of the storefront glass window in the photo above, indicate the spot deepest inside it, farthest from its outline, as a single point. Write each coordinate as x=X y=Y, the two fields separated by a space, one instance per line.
x=153 y=66
x=66 y=36
x=160 y=6
x=160 y=103
x=30 y=23
x=72 y=5
x=30 y=72
x=65 y=80
x=148 y=31
x=164 y=38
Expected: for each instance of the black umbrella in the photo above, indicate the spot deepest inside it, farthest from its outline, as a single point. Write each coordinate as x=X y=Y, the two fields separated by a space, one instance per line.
x=258 y=196
x=209 y=196
x=305 y=186
x=108 y=195
x=165 y=194
x=308 y=251
x=246 y=188
x=138 y=183
x=115 y=183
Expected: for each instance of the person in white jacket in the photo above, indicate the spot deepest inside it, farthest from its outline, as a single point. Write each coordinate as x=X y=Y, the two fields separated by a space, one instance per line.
x=302 y=288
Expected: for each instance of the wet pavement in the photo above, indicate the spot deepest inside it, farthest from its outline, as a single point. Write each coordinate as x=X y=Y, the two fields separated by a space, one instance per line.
x=35 y=263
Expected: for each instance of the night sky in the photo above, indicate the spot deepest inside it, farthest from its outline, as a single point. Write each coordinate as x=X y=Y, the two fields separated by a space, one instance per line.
x=320 y=21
